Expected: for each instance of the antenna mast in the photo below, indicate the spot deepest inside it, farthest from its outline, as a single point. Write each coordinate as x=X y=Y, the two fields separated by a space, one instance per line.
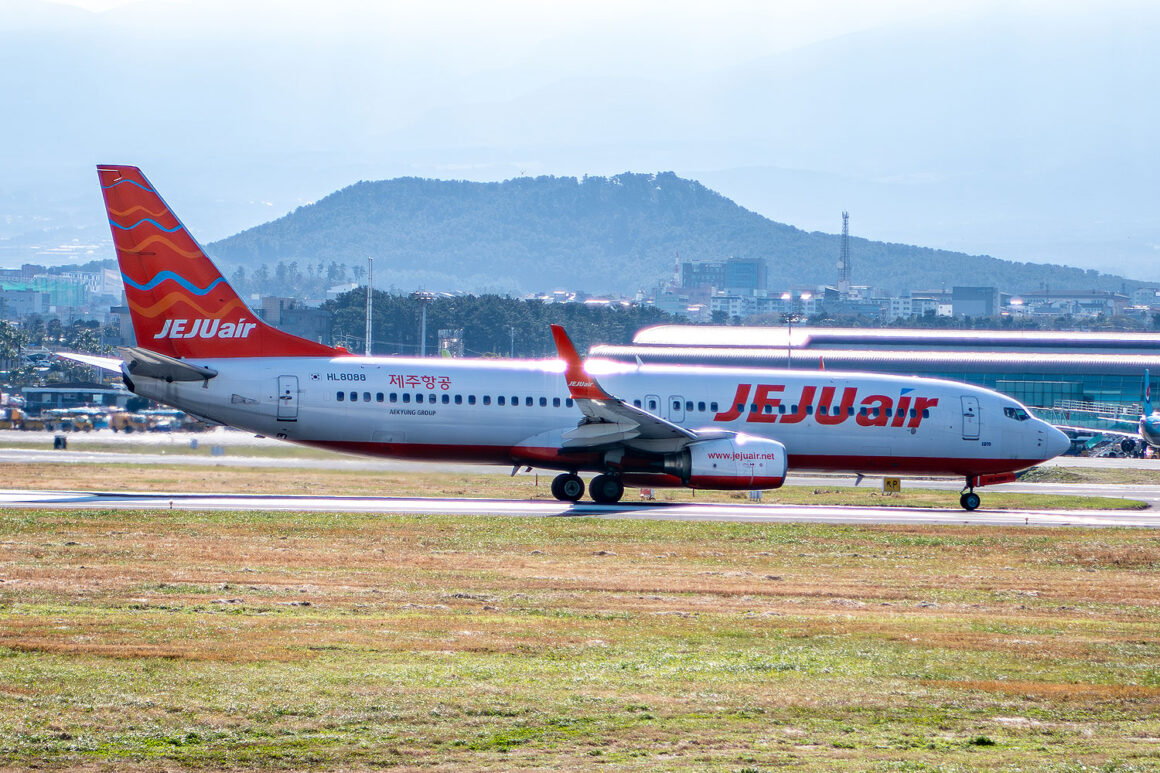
x=844 y=258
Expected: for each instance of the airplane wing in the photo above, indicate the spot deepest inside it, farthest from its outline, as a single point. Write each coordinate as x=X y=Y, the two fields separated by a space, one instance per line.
x=609 y=420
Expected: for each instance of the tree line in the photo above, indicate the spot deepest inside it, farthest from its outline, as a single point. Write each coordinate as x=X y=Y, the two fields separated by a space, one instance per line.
x=491 y=325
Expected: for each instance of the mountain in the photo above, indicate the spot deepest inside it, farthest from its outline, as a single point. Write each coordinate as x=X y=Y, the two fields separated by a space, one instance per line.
x=1019 y=129
x=597 y=234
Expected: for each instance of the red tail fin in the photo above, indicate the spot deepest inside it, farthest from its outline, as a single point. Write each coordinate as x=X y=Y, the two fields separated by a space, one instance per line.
x=180 y=303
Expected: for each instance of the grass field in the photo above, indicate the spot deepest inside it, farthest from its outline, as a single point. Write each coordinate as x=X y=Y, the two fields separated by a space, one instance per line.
x=175 y=640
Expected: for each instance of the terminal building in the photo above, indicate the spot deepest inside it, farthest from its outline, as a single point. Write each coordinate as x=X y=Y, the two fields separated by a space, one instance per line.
x=1086 y=379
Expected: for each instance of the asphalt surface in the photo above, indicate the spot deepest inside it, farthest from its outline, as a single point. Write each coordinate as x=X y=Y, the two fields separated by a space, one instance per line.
x=744 y=513
x=245 y=450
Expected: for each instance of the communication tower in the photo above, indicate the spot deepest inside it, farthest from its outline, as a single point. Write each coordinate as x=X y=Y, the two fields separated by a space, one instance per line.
x=844 y=257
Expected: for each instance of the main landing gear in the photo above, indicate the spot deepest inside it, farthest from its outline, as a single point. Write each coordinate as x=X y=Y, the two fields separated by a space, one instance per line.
x=605 y=489
x=568 y=487
x=969 y=499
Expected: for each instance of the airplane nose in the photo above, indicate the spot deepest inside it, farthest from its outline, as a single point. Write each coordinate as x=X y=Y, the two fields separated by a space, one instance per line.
x=1057 y=441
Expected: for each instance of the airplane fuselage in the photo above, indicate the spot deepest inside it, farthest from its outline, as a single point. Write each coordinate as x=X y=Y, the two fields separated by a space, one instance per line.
x=516 y=412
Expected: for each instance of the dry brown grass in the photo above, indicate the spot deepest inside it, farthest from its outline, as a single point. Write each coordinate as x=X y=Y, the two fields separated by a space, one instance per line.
x=327 y=641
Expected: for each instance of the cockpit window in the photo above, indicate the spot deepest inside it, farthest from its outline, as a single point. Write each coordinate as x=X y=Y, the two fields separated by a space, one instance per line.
x=1018 y=414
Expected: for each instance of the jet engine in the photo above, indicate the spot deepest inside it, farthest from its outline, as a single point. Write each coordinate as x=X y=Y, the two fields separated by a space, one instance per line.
x=739 y=462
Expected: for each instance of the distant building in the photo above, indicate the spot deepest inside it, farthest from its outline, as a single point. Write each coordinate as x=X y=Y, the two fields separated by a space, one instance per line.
x=16 y=304
x=974 y=301
x=290 y=315
x=735 y=275
x=73 y=395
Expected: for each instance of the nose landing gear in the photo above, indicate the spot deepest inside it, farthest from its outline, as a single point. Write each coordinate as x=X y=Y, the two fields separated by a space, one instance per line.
x=969 y=499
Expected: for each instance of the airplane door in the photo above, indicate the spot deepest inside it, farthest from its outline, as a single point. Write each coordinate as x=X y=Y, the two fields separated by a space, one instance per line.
x=676 y=409
x=970 y=418
x=287 y=398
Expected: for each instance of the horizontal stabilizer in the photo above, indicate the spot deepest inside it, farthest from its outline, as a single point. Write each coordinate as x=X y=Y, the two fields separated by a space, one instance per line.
x=142 y=362
x=111 y=364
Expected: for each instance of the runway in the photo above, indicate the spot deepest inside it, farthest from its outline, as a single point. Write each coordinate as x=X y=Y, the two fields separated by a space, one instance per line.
x=739 y=513
x=33 y=448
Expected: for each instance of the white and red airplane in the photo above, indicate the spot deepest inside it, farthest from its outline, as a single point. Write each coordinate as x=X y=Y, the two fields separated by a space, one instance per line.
x=200 y=349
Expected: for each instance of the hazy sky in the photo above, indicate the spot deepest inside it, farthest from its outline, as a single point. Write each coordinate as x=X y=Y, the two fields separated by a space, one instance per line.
x=1020 y=129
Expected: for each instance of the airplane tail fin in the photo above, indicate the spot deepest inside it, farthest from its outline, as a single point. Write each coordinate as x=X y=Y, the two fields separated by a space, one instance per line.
x=180 y=303
x=1147 y=394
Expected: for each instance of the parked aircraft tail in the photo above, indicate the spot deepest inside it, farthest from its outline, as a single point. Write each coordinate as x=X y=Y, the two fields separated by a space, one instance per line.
x=1147 y=394
x=180 y=303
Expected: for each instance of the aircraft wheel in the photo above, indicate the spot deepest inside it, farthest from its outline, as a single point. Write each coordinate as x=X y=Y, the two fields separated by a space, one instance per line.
x=568 y=487
x=606 y=489
x=970 y=500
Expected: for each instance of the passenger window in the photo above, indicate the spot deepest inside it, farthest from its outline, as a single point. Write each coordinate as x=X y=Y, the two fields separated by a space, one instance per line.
x=446 y=399
x=713 y=407
x=926 y=413
x=809 y=410
x=850 y=411
x=636 y=403
x=689 y=405
x=471 y=399
x=459 y=399
x=701 y=407
x=528 y=402
x=366 y=397
x=487 y=399
x=341 y=396
x=676 y=405
x=394 y=397
x=543 y=402
x=354 y=397
x=515 y=401
x=379 y=397
x=913 y=413
x=652 y=405
x=767 y=408
x=555 y=402
x=498 y=401
x=822 y=409
x=406 y=397
x=781 y=409
x=569 y=402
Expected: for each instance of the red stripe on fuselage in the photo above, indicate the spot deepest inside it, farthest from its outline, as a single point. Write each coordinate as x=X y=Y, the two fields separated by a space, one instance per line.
x=554 y=458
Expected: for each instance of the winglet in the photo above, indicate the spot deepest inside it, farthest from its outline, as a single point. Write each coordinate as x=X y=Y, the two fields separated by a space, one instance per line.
x=581 y=386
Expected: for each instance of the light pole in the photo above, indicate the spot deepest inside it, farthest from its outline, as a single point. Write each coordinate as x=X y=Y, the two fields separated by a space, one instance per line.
x=423 y=297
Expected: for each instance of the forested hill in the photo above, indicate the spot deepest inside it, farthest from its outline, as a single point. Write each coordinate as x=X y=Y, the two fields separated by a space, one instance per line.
x=597 y=234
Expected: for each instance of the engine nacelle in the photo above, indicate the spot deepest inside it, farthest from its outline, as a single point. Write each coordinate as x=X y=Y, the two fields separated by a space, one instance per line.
x=740 y=462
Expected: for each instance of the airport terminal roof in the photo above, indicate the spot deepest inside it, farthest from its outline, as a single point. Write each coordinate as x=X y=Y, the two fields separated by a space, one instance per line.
x=888 y=360
x=897 y=338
